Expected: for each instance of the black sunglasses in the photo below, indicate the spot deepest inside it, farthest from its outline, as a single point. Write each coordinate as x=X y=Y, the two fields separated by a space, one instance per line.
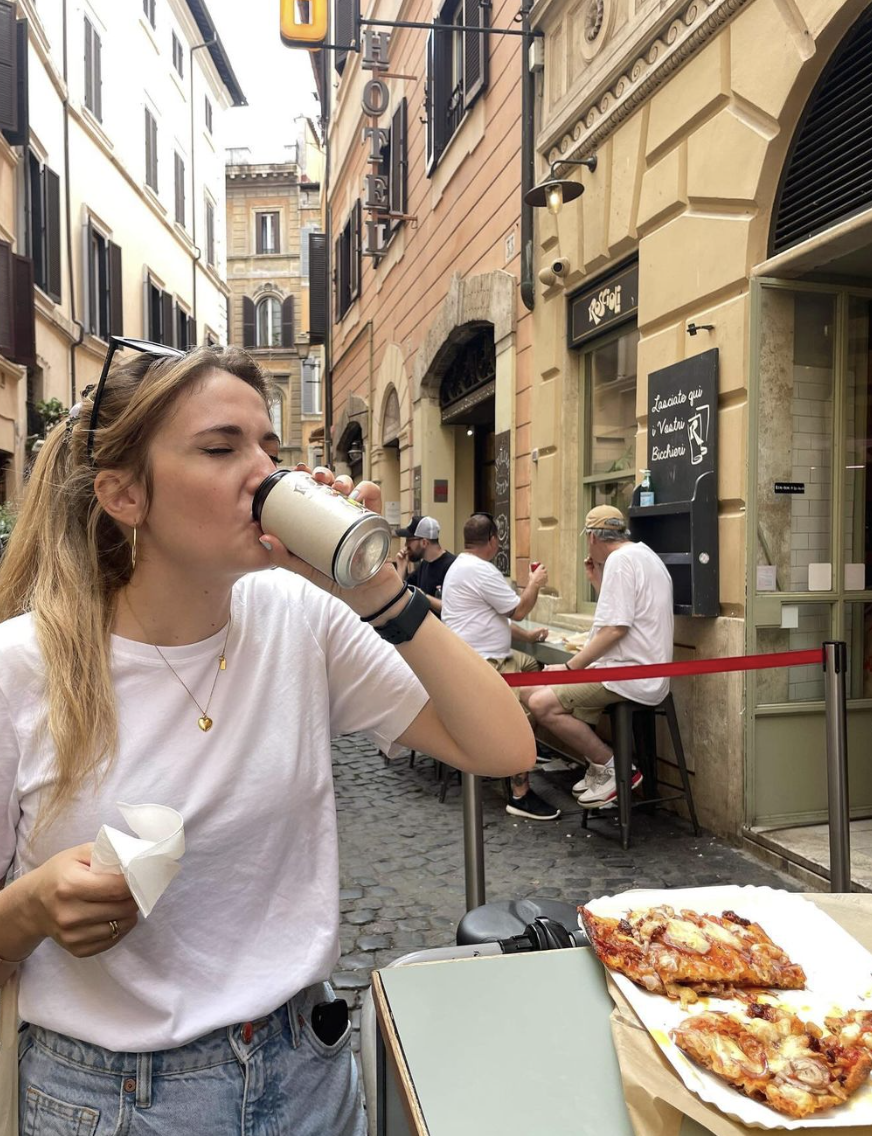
x=117 y=343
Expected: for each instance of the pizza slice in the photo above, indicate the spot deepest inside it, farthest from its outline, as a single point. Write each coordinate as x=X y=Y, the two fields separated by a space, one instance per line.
x=853 y=1028
x=774 y=1057
x=684 y=955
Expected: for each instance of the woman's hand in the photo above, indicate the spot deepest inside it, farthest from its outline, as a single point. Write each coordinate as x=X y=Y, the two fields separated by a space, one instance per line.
x=365 y=598
x=77 y=908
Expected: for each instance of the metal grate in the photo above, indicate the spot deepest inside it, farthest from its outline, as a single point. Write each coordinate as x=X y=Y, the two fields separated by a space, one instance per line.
x=829 y=171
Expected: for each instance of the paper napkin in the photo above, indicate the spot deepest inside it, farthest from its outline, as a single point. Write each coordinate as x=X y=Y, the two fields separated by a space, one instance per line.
x=148 y=861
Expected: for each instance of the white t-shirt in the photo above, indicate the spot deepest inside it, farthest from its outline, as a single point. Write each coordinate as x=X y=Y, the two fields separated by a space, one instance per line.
x=253 y=916
x=636 y=593
x=477 y=603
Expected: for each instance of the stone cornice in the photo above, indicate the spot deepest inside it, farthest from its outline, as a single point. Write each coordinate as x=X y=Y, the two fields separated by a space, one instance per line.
x=661 y=56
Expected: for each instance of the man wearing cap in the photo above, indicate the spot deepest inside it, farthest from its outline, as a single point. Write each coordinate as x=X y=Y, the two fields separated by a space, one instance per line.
x=423 y=561
x=633 y=624
x=479 y=606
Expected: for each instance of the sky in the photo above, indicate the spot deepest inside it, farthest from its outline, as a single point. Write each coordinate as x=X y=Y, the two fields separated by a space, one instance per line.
x=276 y=80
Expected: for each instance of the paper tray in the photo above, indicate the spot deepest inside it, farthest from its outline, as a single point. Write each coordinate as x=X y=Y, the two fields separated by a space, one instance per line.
x=838 y=970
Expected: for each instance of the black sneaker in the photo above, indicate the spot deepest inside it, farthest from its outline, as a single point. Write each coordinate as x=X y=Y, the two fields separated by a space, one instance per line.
x=532 y=807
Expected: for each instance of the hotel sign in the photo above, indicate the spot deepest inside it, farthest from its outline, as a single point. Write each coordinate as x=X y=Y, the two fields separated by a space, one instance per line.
x=376 y=101
x=608 y=303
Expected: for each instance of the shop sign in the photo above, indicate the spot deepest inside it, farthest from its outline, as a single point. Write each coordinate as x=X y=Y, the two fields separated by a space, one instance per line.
x=790 y=487
x=682 y=426
x=598 y=309
x=440 y=491
x=375 y=102
x=503 y=499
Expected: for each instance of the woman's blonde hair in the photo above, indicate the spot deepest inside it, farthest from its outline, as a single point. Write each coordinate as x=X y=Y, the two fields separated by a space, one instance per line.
x=67 y=558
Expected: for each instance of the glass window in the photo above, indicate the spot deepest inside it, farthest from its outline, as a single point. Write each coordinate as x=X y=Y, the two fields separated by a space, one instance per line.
x=267 y=232
x=311 y=381
x=858 y=449
x=148 y=9
x=858 y=636
x=269 y=323
x=794 y=529
x=609 y=371
x=794 y=684
x=277 y=415
x=178 y=55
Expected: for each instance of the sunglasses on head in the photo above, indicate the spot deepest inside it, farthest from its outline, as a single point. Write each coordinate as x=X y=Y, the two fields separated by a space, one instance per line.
x=117 y=343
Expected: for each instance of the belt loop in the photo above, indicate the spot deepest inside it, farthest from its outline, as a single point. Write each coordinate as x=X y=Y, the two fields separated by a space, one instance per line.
x=292 y=1007
x=143 y=1080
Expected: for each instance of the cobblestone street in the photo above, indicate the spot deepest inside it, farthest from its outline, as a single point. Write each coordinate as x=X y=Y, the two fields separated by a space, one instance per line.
x=401 y=857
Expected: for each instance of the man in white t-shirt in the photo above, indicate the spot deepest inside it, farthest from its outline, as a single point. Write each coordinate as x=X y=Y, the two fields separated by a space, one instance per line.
x=479 y=605
x=633 y=624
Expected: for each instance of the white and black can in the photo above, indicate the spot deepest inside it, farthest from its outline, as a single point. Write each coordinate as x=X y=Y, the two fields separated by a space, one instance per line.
x=328 y=530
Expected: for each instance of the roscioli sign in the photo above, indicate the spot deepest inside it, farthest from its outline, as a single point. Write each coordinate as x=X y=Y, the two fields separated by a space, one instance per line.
x=376 y=101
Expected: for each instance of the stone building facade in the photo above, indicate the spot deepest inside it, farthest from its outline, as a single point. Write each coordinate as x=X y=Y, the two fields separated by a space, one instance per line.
x=111 y=194
x=710 y=120
x=271 y=209
x=430 y=340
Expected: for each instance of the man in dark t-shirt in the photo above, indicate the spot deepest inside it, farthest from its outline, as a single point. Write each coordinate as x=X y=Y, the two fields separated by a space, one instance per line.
x=423 y=561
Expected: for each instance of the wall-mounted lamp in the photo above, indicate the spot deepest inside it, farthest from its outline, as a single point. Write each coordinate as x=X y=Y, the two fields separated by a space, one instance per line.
x=469 y=431
x=551 y=194
x=355 y=454
x=693 y=328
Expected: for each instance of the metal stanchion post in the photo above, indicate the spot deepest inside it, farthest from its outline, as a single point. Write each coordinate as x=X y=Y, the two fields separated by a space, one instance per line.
x=473 y=841
x=835 y=675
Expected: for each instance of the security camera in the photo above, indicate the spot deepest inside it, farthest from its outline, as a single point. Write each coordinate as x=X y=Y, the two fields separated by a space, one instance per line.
x=547 y=277
x=560 y=267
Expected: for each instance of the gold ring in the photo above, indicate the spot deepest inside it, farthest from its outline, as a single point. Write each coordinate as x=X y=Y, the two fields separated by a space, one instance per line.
x=113 y=927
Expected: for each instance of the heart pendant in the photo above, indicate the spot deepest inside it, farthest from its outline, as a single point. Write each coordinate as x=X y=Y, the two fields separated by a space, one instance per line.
x=204 y=723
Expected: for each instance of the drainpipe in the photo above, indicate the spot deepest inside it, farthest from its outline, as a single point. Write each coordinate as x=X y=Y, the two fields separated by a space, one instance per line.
x=68 y=211
x=197 y=252
x=528 y=104
x=328 y=342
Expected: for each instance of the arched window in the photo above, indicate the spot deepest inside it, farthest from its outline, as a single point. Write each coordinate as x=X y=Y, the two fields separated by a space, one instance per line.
x=269 y=322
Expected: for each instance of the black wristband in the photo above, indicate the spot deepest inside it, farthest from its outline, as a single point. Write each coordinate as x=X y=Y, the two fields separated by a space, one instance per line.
x=387 y=607
x=403 y=627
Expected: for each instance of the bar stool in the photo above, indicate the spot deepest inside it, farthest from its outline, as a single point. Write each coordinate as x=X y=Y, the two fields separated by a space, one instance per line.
x=634 y=718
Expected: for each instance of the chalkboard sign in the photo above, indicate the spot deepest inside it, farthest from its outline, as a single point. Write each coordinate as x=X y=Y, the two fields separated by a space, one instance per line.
x=502 y=498
x=682 y=426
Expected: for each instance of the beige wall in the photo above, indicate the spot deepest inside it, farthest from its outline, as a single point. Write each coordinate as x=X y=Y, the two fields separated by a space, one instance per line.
x=690 y=109
x=265 y=187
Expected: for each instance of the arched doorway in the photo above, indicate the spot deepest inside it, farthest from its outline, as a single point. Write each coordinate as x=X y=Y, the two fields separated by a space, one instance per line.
x=467 y=403
x=389 y=463
x=810 y=453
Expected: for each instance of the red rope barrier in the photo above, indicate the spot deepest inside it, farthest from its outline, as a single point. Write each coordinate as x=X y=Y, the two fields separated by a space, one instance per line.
x=814 y=656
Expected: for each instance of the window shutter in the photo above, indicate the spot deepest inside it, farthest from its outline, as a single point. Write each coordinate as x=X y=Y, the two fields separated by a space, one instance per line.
x=337 y=278
x=429 y=101
x=248 y=335
x=288 y=321
x=6 y=301
x=354 y=252
x=258 y=233
x=191 y=332
x=180 y=190
x=89 y=66
x=8 y=68
x=116 y=307
x=98 y=79
x=20 y=136
x=23 y=325
x=319 y=288
x=36 y=198
x=397 y=188
x=53 y=233
x=345 y=24
x=475 y=52
x=168 y=338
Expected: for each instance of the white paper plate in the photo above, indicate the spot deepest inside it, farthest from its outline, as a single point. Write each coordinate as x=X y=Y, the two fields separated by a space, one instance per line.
x=839 y=978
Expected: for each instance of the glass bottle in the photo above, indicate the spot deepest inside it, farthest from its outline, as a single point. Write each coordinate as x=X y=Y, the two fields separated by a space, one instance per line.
x=646 y=489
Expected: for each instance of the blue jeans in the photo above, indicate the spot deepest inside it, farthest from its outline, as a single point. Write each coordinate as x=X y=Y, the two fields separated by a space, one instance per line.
x=271 y=1077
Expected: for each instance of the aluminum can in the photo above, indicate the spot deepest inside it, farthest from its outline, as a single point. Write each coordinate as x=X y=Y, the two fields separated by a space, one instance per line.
x=328 y=530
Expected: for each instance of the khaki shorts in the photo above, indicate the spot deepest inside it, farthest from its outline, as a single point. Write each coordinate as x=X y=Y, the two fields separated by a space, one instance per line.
x=515 y=663
x=586 y=700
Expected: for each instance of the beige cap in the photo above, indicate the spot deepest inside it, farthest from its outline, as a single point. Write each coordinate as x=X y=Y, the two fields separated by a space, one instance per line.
x=605 y=517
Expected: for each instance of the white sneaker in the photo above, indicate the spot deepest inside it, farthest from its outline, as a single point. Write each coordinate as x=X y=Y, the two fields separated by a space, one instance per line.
x=603 y=786
x=583 y=785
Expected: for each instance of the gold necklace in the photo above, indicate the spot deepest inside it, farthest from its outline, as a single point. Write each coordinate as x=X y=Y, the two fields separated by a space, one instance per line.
x=204 y=721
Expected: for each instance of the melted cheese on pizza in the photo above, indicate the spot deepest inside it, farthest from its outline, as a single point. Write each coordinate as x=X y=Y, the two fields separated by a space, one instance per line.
x=684 y=954
x=774 y=1057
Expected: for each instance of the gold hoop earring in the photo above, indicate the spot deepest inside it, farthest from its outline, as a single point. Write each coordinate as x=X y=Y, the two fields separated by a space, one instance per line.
x=133 y=553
